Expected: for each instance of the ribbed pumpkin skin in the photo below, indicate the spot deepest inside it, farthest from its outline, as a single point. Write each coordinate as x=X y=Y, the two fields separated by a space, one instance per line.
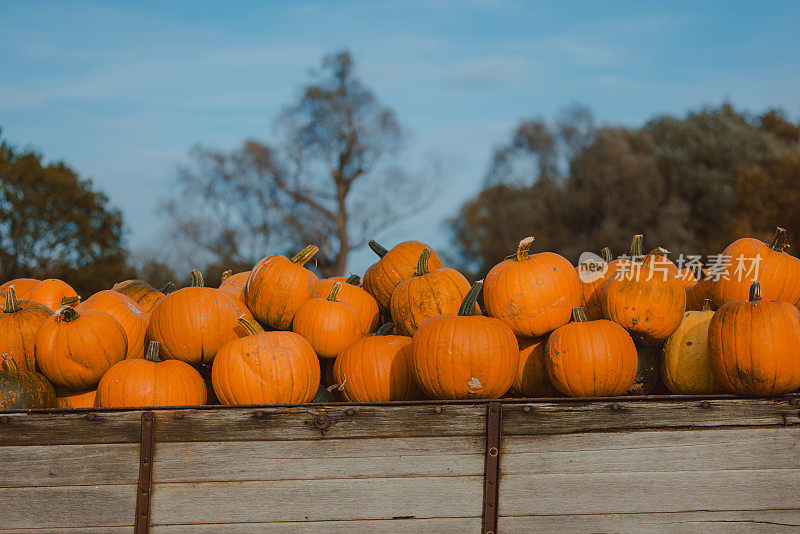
x=18 y=331
x=76 y=354
x=590 y=297
x=234 y=285
x=685 y=366
x=365 y=305
x=21 y=389
x=377 y=369
x=24 y=286
x=472 y=357
x=130 y=315
x=267 y=368
x=591 y=359
x=534 y=296
x=50 y=292
x=77 y=399
x=192 y=323
x=329 y=326
x=697 y=294
x=419 y=298
x=139 y=291
x=531 y=379
x=140 y=382
x=276 y=289
x=754 y=348
x=397 y=265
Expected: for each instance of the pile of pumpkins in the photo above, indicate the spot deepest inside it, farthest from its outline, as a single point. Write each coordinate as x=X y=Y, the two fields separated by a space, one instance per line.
x=413 y=329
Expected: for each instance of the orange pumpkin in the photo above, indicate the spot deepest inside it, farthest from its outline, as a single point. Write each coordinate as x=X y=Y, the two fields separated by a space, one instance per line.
x=328 y=324
x=192 y=323
x=593 y=281
x=532 y=379
x=19 y=323
x=278 y=286
x=749 y=260
x=234 y=285
x=649 y=301
x=365 y=305
x=634 y=256
x=376 y=368
x=54 y=293
x=427 y=294
x=754 y=346
x=465 y=356
x=265 y=368
x=74 y=349
x=395 y=266
x=591 y=358
x=24 y=286
x=21 y=389
x=142 y=293
x=127 y=313
x=698 y=293
x=533 y=294
x=75 y=399
x=150 y=382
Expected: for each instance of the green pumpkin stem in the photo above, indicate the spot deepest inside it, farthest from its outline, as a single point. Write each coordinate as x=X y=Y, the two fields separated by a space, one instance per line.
x=70 y=301
x=8 y=364
x=12 y=304
x=468 y=304
x=302 y=257
x=225 y=275
x=197 y=278
x=524 y=248
x=636 y=247
x=778 y=241
x=252 y=326
x=333 y=296
x=152 y=352
x=67 y=314
x=168 y=288
x=706 y=305
x=377 y=248
x=578 y=315
x=605 y=253
x=353 y=280
x=385 y=329
x=422 y=264
x=755 y=291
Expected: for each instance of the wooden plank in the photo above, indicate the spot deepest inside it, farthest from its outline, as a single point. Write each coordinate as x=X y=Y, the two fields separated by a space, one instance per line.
x=72 y=530
x=727 y=522
x=67 y=506
x=298 y=423
x=447 y=525
x=336 y=458
x=604 y=416
x=666 y=450
x=70 y=428
x=646 y=491
x=68 y=465
x=316 y=500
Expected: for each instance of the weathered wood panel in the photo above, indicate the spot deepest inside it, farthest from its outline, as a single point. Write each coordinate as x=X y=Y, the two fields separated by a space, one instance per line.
x=317 y=500
x=69 y=465
x=384 y=526
x=73 y=530
x=70 y=428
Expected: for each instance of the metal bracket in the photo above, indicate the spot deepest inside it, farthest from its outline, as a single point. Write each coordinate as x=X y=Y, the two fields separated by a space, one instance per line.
x=142 y=522
x=491 y=482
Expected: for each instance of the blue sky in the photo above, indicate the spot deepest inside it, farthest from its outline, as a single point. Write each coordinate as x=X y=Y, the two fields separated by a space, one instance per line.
x=122 y=90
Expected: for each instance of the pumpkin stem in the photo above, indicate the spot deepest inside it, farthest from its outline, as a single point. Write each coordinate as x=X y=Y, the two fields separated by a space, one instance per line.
x=706 y=305
x=377 y=249
x=12 y=304
x=152 y=352
x=422 y=264
x=636 y=247
x=197 y=278
x=778 y=239
x=225 y=275
x=8 y=364
x=333 y=296
x=652 y=255
x=755 y=291
x=252 y=326
x=605 y=253
x=523 y=248
x=168 y=288
x=67 y=314
x=468 y=304
x=385 y=329
x=302 y=257
x=70 y=301
x=353 y=280
x=578 y=315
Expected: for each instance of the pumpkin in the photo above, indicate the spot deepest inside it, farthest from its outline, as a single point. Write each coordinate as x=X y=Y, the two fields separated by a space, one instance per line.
x=278 y=286
x=192 y=323
x=19 y=323
x=687 y=277
x=143 y=293
x=127 y=313
x=394 y=266
x=685 y=365
x=21 y=389
x=590 y=358
x=698 y=293
x=54 y=293
x=593 y=281
x=533 y=294
x=234 y=285
x=749 y=260
x=648 y=367
x=75 y=399
x=649 y=301
x=754 y=346
x=624 y=263
x=74 y=349
x=427 y=294
x=365 y=305
x=265 y=368
x=328 y=324
x=150 y=382
x=465 y=356
x=24 y=286
x=531 y=379
x=376 y=368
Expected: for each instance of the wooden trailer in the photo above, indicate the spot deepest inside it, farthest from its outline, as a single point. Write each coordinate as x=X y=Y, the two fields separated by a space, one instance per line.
x=645 y=464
